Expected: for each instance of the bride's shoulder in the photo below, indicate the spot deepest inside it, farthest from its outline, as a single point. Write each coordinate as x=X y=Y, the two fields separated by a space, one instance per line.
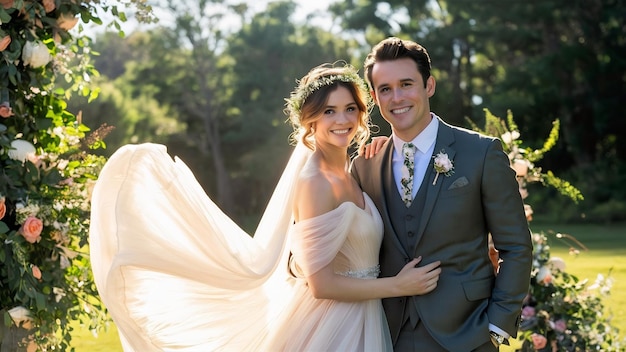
x=314 y=195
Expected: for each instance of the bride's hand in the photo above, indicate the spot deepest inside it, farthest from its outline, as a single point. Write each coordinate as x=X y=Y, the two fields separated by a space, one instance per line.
x=414 y=280
x=372 y=148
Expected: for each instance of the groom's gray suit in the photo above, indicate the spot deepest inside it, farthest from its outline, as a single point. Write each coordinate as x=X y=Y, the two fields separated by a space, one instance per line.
x=450 y=221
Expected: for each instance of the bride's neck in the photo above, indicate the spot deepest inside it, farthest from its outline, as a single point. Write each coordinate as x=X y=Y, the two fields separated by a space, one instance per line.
x=334 y=159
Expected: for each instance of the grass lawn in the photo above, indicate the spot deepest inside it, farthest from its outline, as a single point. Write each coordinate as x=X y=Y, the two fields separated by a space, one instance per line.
x=606 y=252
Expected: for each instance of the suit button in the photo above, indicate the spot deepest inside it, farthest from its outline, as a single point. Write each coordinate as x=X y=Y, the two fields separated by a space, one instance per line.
x=409 y=217
x=410 y=233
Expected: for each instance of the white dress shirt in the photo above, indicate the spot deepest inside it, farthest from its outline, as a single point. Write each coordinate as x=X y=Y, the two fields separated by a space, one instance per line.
x=425 y=143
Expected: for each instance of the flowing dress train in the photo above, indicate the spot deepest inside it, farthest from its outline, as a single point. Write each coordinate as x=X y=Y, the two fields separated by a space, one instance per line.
x=177 y=274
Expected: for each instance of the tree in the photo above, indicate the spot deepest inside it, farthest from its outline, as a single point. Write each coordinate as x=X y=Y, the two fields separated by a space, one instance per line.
x=545 y=60
x=264 y=60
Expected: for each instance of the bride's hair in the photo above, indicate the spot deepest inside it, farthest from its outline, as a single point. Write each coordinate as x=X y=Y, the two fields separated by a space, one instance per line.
x=306 y=103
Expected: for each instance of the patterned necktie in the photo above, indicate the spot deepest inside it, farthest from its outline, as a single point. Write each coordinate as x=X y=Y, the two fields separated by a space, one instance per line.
x=408 y=168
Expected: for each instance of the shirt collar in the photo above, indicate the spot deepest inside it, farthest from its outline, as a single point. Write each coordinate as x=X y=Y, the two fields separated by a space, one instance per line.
x=424 y=140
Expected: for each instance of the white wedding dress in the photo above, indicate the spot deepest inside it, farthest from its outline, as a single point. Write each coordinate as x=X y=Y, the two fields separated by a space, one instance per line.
x=177 y=274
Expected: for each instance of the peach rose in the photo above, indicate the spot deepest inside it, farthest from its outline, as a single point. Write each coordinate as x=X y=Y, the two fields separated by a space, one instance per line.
x=4 y=42
x=7 y=4
x=5 y=110
x=31 y=229
x=3 y=207
x=49 y=5
x=36 y=272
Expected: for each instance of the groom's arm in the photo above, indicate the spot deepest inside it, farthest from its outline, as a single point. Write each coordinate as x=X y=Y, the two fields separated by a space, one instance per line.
x=506 y=221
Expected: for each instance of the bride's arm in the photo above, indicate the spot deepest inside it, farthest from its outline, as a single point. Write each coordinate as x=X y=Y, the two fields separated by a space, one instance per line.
x=410 y=281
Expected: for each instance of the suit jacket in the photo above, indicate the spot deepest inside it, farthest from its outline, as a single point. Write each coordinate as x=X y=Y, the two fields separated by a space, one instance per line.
x=459 y=212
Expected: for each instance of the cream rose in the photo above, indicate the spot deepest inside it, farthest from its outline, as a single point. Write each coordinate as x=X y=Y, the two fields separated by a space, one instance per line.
x=544 y=275
x=20 y=316
x=521 y=167
x=31 y=229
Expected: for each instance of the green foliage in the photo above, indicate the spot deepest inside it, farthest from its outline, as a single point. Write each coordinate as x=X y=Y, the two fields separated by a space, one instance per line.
x=47 y=173
x=511 y=143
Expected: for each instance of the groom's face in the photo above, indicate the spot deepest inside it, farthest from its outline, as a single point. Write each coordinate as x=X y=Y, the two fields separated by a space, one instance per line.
x=399 y=92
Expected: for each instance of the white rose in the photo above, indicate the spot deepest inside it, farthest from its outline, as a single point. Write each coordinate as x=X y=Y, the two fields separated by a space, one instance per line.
x=35 y=54
x=21 y=149
x=557 y=263
x=509 y=137
x=544 y=275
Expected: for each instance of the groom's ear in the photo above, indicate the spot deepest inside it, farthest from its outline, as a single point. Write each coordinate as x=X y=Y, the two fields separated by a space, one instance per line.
x=430 y=86
x=374 y=97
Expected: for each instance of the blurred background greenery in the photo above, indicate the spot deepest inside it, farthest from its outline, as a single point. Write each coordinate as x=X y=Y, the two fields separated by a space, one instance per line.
x=209 y=79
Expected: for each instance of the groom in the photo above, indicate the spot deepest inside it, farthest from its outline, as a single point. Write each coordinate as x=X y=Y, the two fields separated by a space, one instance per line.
x=459 y=188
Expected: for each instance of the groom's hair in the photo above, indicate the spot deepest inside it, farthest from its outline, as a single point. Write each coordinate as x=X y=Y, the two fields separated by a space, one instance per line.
x=394 y=48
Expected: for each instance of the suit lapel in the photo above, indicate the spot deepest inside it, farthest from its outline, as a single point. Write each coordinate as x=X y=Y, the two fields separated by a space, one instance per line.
x=445 y=138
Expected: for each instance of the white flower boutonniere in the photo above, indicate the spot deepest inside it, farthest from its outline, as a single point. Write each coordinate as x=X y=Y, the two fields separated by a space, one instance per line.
x=443 y=165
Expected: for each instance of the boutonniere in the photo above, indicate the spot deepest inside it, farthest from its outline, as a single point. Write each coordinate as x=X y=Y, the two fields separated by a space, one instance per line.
x=443 y=165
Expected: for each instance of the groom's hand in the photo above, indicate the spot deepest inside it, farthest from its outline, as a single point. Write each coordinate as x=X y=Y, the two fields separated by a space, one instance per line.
x=369 y=150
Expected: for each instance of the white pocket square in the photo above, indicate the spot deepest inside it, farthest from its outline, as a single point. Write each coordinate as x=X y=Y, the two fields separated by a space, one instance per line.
x=459 y=182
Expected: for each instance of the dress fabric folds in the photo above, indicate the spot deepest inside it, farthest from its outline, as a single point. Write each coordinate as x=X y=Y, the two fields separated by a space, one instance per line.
x=177 y=274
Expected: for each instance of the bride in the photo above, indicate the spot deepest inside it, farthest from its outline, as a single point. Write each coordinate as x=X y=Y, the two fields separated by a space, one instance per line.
x=177 y=274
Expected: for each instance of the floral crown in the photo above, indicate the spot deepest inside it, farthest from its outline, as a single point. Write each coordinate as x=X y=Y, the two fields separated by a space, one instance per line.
x=303 y=92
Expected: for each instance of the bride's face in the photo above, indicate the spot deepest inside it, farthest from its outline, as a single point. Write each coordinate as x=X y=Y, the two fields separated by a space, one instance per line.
x=338 y=121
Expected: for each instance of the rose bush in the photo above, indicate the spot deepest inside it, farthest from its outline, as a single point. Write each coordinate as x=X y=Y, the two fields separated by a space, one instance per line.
x=47 y=171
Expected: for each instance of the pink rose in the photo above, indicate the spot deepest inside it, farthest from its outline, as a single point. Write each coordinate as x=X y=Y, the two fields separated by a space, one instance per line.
x=528 y=312
x=539 y=341
x=36 y=272
x=31 y=229
x=3 y=208
x=560 y=325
